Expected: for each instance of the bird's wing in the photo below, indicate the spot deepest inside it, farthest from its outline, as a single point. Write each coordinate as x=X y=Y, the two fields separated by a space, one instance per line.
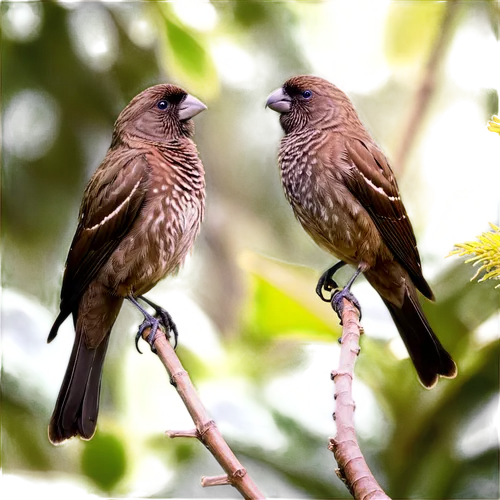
x=373 y=184
x=111 y=203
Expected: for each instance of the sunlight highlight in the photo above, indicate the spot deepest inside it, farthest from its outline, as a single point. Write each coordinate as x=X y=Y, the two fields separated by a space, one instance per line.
x=239 y=414
x=22 y=17
x=197 y=13
x=398 y=348
x=488 y=332
x=151 y=476
x=38 y=372
x=457 y=222
x=344 y=40
x=150 y=394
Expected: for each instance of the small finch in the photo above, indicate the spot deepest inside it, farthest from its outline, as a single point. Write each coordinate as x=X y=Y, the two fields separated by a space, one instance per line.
x=346 y=197
x=139 y=217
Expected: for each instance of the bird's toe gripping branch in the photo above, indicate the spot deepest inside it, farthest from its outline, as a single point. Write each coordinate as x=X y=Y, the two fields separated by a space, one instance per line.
x=327 y=283
x=161 y=318
x=337 y=302
x=165 y=319
x=152 y=323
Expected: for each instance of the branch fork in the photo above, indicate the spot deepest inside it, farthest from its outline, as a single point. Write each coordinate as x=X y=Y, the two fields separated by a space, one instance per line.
x=206 y=430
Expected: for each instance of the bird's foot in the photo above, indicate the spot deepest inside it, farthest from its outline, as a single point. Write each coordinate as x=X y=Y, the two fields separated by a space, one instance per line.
x=161 y=318
x=327 y=283
x=152 y=323
x=165 y=319
x=337 y=302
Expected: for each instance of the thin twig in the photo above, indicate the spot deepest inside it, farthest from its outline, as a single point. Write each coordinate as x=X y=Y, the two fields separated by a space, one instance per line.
x=206 y=430
x=353 y=470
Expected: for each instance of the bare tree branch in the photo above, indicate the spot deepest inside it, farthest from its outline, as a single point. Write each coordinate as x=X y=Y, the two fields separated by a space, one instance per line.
x=353 y=470
x=206 y=430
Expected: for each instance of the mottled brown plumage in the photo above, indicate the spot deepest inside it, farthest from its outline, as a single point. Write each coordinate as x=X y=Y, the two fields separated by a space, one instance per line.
x=140 y=214
x=346 y=197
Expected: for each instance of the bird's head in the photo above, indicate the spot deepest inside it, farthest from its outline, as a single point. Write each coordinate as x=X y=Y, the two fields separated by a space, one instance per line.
x=310 y=102
x=159 y=113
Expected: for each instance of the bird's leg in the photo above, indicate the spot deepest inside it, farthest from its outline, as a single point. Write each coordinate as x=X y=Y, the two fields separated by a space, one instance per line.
x=149 y=322
x=164 y=317
x=327 y=283
x=337 y=298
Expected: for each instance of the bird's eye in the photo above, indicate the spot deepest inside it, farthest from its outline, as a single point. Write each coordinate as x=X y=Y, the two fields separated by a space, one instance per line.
x=162 y=105
x=307 y=94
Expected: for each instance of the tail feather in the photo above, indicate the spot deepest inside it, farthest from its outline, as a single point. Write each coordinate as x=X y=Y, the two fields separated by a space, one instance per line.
x=77 y=405
x=90 y=406
x=57 y=323
x=429 y=357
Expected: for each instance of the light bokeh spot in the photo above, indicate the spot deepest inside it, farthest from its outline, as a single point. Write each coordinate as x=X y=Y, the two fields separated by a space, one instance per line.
x=22 y=17
x=235 y=65
x=199 y=14
x=353 y=59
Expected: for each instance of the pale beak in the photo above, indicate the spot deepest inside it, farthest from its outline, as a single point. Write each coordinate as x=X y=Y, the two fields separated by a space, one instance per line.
x=279 y=101
x=190 y=107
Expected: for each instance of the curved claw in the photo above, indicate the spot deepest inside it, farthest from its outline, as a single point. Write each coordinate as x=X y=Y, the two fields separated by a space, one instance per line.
x=137 y=337
x=176 y=335
x=327 y=283
x=167 y=321
x=153 y=324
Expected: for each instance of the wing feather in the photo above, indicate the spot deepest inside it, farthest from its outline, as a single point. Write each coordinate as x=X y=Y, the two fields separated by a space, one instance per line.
x=110 y=205
x=372 y=182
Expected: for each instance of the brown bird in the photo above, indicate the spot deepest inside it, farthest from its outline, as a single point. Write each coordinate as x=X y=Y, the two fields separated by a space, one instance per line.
x=140 y=214
x=346 y=197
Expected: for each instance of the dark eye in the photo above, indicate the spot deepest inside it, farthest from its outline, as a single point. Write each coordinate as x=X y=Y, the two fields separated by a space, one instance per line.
x=162 y=104
x=307 y=94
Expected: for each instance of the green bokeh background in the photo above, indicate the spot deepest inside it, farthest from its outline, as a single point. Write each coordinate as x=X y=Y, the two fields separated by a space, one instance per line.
x=255 y=339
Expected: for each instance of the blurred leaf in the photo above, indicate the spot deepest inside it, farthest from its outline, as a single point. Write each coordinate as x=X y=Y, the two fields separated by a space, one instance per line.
x=446 y=410
x=485 y=15
x=483 y=431
x=187 y=55
x=24 y=435
x=461 y=307
x=419 y=416
x=281 y=312
x=106 y=461
x=413 y=27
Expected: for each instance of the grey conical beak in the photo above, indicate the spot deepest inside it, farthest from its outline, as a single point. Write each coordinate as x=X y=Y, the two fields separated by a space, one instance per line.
x=279 y=101
x=190 y=107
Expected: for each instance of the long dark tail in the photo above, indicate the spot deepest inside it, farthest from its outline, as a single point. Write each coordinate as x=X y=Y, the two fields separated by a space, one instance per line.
x=77 y=406
x=428 y=355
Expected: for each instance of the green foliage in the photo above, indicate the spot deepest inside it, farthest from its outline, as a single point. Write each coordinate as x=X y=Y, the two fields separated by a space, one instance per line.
x=106 y=473
x=187 y=56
